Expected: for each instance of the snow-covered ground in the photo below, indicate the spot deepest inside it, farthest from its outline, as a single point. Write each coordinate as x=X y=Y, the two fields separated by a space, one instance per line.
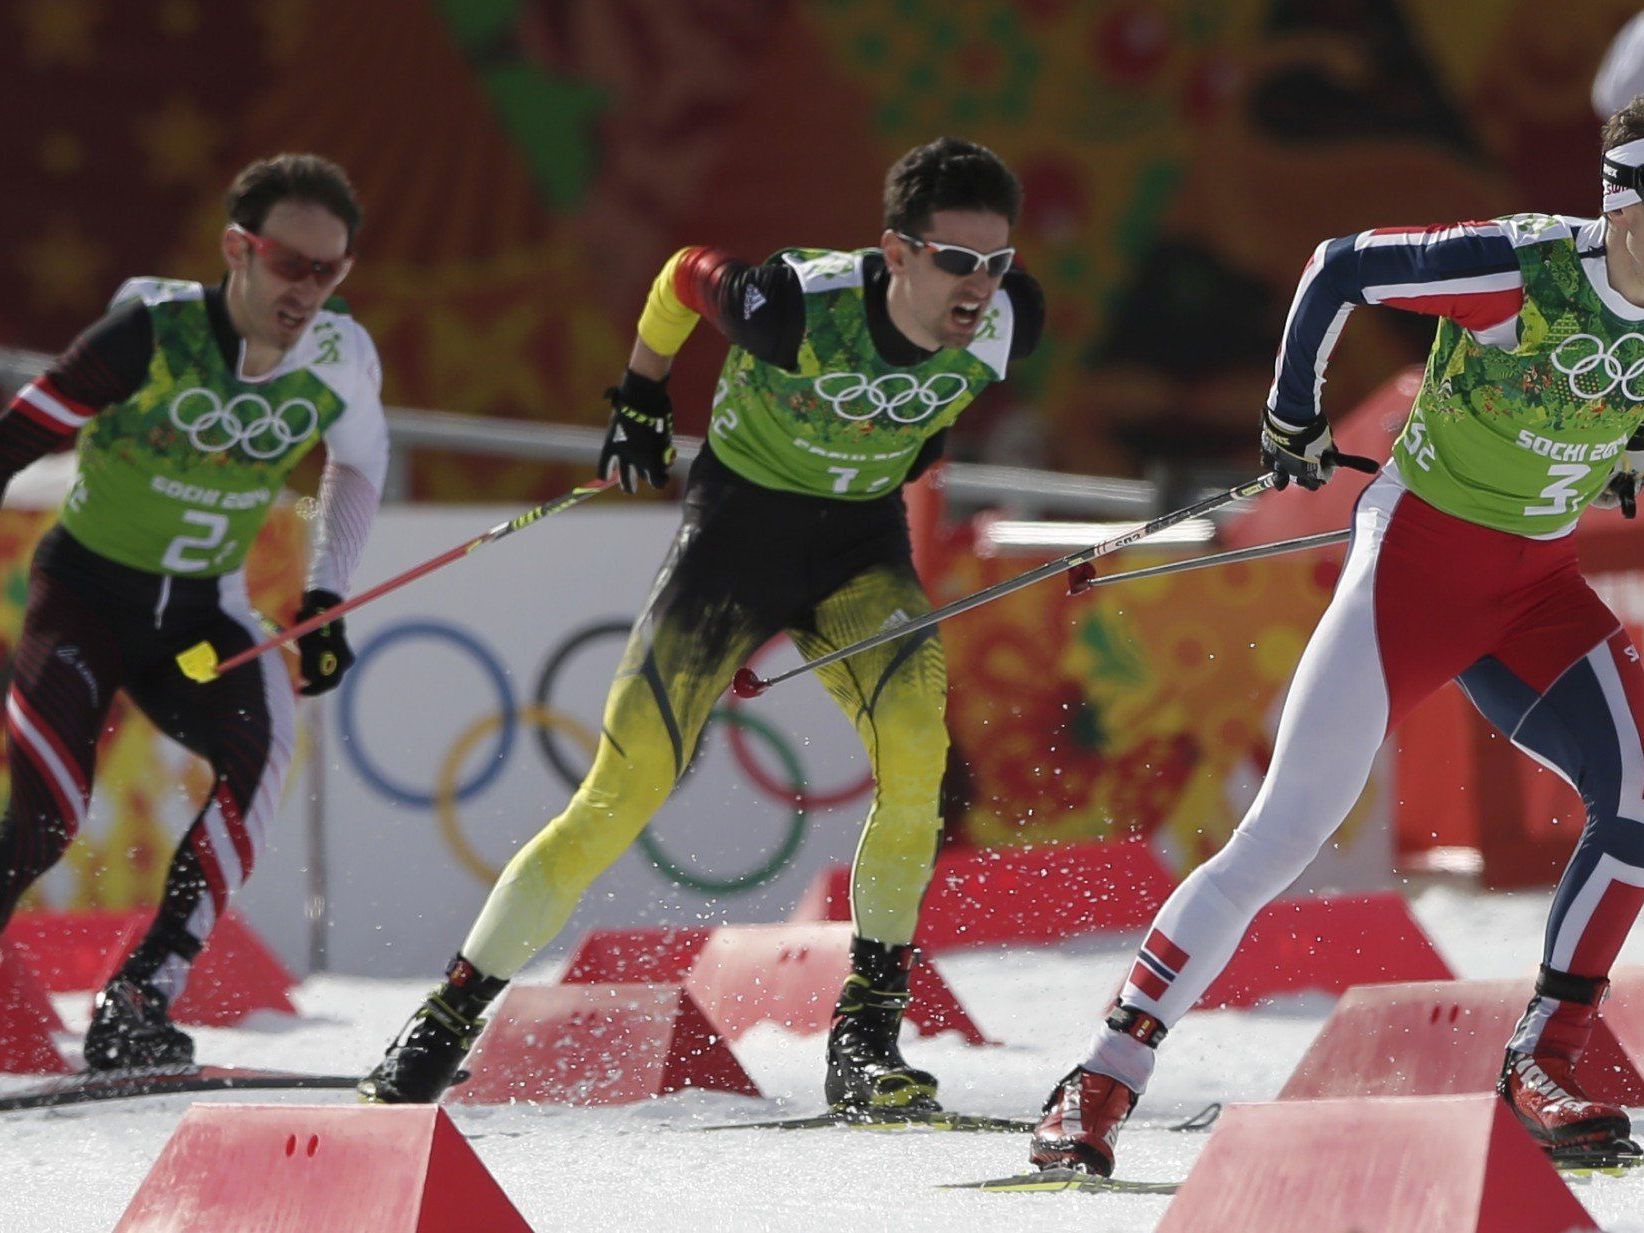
x=646 y=1166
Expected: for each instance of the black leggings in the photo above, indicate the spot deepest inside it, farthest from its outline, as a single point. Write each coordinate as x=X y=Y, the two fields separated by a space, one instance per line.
x=93 y=627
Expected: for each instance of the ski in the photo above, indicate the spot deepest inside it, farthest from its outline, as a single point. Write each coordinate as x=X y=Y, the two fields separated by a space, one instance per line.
x=890 y=1119
x=87 y=1086
x=1064 y=1179
x=1603 y=1165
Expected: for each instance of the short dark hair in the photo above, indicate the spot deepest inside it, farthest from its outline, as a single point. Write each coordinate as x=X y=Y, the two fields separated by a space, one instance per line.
x=1626 y=125
x=292 y=177
x=948 y=174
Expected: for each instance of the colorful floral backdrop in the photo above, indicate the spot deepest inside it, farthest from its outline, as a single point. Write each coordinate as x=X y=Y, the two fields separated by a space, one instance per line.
x=527 y=165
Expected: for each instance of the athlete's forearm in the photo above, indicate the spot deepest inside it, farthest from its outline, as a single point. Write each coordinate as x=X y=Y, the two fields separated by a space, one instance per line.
x=348 y=507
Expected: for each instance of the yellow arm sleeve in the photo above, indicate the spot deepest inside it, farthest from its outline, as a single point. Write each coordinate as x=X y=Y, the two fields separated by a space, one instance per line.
x=666 y=323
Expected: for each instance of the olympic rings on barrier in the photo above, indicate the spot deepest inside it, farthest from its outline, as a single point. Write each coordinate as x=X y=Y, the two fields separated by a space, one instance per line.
x=445 y=781
x=779 y=859
x=353 y=740
x=569 y=772
x=757 y=773
x=447 y=792
x=802 y=798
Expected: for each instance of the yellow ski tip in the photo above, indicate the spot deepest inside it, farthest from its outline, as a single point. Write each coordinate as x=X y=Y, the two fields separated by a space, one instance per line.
x=199 y=663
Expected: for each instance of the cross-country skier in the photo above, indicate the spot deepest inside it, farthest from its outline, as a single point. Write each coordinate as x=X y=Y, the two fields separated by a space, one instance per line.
x=191 y=404
x=1462 y=566
x=845 y=369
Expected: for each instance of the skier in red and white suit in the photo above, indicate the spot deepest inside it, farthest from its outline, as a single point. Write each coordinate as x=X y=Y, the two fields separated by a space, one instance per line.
x=1462 y=566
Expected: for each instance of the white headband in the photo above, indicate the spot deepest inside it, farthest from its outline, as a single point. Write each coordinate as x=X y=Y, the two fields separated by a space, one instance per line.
x=1621 y=182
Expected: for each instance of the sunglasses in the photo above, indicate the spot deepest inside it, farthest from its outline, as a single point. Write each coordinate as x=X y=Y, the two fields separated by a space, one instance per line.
x=291 y=265
x=960 y=261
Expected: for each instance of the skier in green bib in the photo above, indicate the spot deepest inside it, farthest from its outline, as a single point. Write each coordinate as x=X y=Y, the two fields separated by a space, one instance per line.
x=191 y=405
x=1462 y=567
x=845 y=369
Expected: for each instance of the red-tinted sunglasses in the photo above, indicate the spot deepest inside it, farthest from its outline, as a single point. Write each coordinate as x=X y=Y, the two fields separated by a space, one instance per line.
x=291 y=265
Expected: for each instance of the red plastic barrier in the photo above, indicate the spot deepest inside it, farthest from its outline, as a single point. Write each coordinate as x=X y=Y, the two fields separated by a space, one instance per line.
x=1329 y=943
x=1029 y=894
x=27 y=1020
x=1457 y=1163
x=741 y=975
x=235 y=974
x=1443 y=1037
x=302 y=1168
x=71 y=950
x=598 y=1044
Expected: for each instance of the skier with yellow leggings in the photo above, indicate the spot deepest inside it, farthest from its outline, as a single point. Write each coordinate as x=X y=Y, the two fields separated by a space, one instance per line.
x=845 y=370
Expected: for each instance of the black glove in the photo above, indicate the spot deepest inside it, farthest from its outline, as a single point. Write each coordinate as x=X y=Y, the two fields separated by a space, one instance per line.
x=1622 y=490
x=325 y=653
x=639 y=441
x=1304 y=454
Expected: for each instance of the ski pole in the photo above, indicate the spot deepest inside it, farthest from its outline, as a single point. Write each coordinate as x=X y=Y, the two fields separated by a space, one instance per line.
x=199 y=662
x=1254 y=553
x=748 y=684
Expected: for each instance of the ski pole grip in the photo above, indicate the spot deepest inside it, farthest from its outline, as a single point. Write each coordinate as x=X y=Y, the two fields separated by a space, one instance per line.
x=1357 y=462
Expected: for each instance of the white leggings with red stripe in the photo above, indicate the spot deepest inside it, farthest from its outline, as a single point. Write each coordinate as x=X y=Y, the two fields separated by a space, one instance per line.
x=1424 y=598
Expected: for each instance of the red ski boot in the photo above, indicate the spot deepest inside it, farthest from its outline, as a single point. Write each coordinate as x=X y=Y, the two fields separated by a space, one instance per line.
x=1082 y=1116
x=1080 y=1123
x=1538 y=1079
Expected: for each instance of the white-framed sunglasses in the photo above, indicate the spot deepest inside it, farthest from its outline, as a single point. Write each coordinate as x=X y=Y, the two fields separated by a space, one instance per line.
x=960 y=261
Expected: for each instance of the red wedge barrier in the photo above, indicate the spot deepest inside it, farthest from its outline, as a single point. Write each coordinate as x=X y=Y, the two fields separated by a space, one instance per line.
x=1442 y=1037
x=235 y=974
x=1457 y=1163
x=71 y=950
x=598 y=1044
x=27 y=1020
x=300 y=1168
x=741 y=975
x=1324 y=944
x=1029 y=894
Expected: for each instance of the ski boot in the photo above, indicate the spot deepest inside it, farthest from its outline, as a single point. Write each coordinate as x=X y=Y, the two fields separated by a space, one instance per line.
x=866 y=1069
x=424 y=1058
x=1081 y=1118
x=130 y=1030
x=1538 y=1079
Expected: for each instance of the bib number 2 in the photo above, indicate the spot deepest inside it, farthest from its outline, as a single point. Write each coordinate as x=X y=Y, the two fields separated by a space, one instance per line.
x=213 y=527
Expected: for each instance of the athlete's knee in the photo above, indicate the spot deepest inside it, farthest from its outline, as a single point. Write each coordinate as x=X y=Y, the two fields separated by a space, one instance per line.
x=1256 y=864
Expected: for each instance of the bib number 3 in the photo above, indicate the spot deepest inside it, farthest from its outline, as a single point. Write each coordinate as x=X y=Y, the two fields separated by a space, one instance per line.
x=1561 y=493
x=213 y=527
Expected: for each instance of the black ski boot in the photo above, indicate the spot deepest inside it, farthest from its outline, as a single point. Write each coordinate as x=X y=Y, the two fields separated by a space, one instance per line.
x=424 y=1058
x=130 y=1030
x=866 y=1069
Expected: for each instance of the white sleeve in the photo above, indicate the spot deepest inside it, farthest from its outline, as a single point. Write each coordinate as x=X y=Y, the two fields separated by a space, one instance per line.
x=356 y=464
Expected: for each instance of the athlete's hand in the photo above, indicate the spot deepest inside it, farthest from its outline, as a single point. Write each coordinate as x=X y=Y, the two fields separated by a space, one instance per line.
x=1304 y=454
x=639 y=441
x=324 y=651
x=1622 y=490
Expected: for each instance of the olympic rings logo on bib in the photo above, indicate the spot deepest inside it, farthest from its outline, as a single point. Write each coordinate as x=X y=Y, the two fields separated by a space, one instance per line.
x=1596 y=371
x=901 y=396
x=248 y=420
